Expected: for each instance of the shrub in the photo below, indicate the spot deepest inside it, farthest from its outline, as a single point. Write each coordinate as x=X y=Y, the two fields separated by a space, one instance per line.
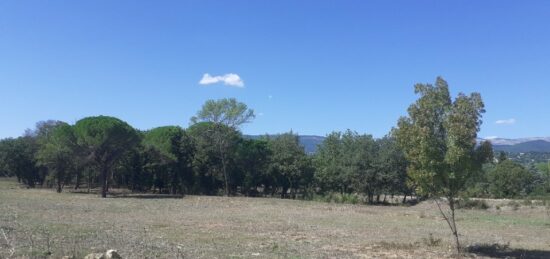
x=473 y=204
x=432 y=241
x=514 y=204
x=509 y=180
x=334 y=197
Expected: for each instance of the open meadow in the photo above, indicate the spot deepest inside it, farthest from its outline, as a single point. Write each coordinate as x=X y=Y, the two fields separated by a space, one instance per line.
x=39 y=222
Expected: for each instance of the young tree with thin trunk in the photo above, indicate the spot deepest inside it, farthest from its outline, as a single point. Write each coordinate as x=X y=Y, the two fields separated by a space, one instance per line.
x=439 y=141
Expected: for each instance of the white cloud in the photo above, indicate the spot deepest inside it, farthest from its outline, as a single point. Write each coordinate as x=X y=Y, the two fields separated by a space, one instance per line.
x=506 y=121
x=491 y=137
x=227 y=79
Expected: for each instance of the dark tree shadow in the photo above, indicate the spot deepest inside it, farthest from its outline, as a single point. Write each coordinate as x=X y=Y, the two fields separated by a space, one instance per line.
x=504 y=251
x=146 y=196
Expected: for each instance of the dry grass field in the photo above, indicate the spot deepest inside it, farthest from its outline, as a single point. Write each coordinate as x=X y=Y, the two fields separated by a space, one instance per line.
x=38 y=223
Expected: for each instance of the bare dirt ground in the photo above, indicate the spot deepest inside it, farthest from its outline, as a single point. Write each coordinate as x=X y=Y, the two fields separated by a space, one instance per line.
x=44 y=224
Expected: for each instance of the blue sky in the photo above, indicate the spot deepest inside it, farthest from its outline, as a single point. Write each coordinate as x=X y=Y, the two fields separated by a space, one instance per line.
x=309 y=66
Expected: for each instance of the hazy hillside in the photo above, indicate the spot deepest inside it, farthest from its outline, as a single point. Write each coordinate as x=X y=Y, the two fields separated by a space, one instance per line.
x=530 y=146
x=519 y=145
x=507 y=141
x=309 y=142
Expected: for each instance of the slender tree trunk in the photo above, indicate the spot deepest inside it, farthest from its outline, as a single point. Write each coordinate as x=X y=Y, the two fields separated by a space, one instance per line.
x=291 y=187
x=77 y=182
x=283 y=193
x=175 y=182
x=451 y=220
x=104 y=182
x=89 y=180
x=225 y=176
x=59 y=186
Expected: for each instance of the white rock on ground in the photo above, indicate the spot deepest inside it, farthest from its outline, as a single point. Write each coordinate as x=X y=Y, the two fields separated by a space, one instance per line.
x=110 y=254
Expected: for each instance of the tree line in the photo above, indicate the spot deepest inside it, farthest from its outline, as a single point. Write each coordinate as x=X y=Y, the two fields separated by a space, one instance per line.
x=431 y=153
x=212 y=157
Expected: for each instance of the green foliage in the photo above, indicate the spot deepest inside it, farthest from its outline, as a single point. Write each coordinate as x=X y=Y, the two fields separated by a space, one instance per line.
x=165 y=140
x=59 y=152
x=252 y=161
x=508 y=180
x=392 y=165
x=229 y=112
x=215 y=151
x=329 y=164
x=290 y=167
x=104 y=140
x=439 y=141
x=342 y=159
x=432 y=153
x=349 y=162
x=17 y=158
x=169 y=153
x=225 y=116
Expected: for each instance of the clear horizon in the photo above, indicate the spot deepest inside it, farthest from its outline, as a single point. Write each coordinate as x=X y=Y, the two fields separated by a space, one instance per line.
x=311 y=66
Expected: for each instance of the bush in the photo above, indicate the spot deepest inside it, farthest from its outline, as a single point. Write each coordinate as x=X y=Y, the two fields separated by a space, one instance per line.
x=333 y=197
x=509 y=180
x=514 y=204
x=473 y=204
x=431 y=241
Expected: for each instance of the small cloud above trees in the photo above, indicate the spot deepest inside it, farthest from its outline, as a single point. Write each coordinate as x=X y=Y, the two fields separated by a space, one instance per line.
x=506 y=121
x=227 y=79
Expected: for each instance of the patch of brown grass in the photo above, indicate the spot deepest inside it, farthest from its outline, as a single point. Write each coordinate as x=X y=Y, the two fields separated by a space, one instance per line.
x=42 y=221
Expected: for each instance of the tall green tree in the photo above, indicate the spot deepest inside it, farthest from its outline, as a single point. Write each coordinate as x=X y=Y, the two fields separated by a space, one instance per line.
x=59 y=152
x=329 y=165
x=289 y=164
x=392 y=167
x=104 y=140
x=252 y=161
x=439 y=141
x=509 y=180
x=360 y=157
x=345 y=162
x=176 y=151
x=17 y=158
x=544 y=171
x=208 y=161
x=226 y=115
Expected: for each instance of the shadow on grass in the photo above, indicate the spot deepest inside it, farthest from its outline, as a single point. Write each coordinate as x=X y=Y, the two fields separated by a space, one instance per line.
x=126 y=194
x=504 y=251
x=146 y=196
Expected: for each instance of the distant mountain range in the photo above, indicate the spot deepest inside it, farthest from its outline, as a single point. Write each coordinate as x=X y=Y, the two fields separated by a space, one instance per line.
x=309 y=142
x=507 y=141
x=519 y=145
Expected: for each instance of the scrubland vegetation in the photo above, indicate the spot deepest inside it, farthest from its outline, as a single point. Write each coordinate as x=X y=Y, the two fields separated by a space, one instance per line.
x=430 y=157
